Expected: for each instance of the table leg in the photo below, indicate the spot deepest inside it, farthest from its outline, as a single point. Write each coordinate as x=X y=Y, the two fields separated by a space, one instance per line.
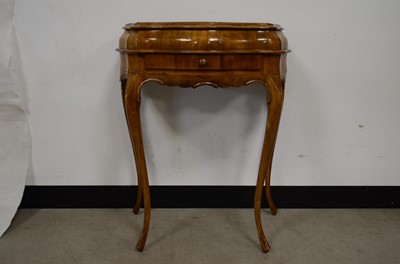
x=274 y=133
x=275 y=101
x=139 y=196
x=271 y=203
x=132 y=111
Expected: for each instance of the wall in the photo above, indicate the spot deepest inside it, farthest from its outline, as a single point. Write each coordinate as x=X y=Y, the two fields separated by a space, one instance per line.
x=340 y=123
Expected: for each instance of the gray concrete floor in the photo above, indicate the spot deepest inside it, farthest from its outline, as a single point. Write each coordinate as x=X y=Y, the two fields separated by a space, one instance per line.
x=202 y=236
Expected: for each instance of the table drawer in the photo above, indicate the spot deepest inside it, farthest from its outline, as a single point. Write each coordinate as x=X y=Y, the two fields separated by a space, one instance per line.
x=202 y=62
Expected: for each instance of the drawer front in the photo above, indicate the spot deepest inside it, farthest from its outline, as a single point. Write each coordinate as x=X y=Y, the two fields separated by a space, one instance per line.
x=202 y=62
x=242 y=62
x=198 y=62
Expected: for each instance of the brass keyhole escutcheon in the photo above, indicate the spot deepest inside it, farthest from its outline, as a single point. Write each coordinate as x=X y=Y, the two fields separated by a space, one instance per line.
x=202 y=62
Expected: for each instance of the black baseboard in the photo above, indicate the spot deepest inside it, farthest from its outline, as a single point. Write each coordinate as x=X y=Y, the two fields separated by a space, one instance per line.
x=211 y=196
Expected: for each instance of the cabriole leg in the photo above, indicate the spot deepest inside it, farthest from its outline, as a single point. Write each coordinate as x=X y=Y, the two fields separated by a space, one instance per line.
x=139 y=196
x=275 y=101
x=132 y=111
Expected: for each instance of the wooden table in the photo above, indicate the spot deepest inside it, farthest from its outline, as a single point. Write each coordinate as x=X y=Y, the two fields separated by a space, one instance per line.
x=195 y=54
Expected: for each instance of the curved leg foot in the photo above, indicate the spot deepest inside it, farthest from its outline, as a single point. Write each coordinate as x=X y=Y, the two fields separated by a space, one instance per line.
x=271 y=203
x=146 y=221
x=257 y=214
x=132 y=111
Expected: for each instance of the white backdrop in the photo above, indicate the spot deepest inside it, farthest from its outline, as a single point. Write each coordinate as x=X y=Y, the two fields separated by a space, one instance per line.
x=14 y=130
x=340 y=124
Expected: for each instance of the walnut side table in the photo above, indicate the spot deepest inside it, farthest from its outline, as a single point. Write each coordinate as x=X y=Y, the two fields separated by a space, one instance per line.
x=189 y=54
